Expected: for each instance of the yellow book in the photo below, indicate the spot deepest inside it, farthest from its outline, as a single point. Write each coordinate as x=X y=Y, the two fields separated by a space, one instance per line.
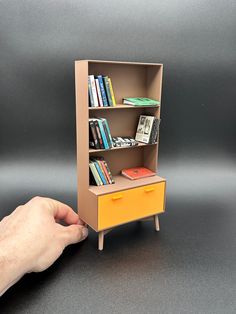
x=112 y=92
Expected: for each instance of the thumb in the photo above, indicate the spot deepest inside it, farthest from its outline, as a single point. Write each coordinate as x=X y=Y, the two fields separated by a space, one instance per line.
x=74 y=234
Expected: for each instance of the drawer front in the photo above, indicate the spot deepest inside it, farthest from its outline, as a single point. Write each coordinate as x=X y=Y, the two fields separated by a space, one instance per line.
x=128 y=205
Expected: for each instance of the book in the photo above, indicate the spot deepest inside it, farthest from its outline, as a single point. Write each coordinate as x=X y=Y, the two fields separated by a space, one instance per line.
x=103 y=135
x=100 y=102
x=91 y=103
x=119 y=141
x=140 y=101
x=100 y=141
x=102 y=89
x=94 y=91
x=155 y=131
x=144 y=128
x=107 y=131
x=107 y=168
x=137 y=173
x=107 y=88
x=112 y=92
x=95 y=174
x=93 y=137
x=101 y=163
x=99 y=171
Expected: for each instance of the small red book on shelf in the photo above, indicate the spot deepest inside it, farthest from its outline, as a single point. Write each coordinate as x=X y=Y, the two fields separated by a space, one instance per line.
x=137 y=173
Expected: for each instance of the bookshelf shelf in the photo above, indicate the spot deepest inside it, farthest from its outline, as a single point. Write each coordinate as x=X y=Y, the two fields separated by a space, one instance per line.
x=121 y=106
x=122 y=183
x=107 y=206
x=117 y=148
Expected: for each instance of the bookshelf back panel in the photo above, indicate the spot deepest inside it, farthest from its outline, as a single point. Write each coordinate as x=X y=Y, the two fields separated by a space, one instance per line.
x=131 y=80
x=128 y=158
x=124 y=122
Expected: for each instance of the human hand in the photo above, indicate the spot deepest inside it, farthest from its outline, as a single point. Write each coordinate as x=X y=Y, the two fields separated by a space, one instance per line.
x=31 y=238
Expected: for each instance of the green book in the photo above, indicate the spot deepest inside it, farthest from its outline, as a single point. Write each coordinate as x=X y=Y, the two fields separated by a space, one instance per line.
x=141 y=101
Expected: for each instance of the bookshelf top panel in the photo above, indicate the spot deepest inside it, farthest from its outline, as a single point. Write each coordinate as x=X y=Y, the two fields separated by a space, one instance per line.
x=121 y=62
x=122 y=183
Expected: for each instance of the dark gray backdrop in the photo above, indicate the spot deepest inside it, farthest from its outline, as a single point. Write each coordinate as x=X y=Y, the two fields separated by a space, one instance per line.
x=189 y=267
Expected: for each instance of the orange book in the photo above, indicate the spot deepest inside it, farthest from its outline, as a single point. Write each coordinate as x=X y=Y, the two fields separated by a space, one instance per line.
x=137 y=173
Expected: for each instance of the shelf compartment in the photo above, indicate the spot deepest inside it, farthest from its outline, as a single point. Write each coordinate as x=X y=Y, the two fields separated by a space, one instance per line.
x=117 y=148
x=123 y=183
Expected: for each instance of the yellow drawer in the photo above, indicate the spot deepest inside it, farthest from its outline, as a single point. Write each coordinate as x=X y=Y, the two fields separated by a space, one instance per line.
x=128 y=205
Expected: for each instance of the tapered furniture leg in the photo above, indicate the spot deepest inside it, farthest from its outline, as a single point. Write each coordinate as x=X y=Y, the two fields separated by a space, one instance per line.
x=100 y=240
x=156 y=220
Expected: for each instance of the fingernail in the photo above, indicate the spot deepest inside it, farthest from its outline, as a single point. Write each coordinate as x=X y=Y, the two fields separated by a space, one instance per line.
x=84 y=232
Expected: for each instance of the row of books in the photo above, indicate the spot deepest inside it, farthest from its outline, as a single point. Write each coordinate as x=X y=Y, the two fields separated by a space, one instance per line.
x=100 y=173
x=101 y=92
x=100 y=135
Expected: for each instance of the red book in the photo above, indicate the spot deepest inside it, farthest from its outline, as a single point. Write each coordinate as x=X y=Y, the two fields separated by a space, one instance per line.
x=137 y=173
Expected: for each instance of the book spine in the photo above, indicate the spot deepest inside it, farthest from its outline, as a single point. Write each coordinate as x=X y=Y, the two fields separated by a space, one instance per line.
x=103 y=172
x=102 y=88
x=106 y=172
x=100 y=172
x=94 y=91
x=106 y=132
x=101 y=145
x=95 y=174
x=100 y=102
x=109 y=132
x=106 y=83
x=112 y=92
x=94 y=134
x=109 y=171
x=91 y=102
x=154 y=132
x=104 y=138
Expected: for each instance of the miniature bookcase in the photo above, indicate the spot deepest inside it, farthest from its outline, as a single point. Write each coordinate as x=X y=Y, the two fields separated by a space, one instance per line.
x=107 y=206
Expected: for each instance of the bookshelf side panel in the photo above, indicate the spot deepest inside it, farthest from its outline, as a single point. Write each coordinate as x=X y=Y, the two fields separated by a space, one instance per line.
x=86 y=204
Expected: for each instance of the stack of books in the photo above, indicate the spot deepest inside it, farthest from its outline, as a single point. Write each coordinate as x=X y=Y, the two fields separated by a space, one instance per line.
x=99 y=134
x=100 y=173
x=101 y=92
x=124 y=141
x=141 y=101
x=148 y=129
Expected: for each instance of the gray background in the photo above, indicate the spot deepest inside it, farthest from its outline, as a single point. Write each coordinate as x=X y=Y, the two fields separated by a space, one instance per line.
x=190 y=266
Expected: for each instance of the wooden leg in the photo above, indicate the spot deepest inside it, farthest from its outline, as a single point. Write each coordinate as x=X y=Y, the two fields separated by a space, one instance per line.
x=100 y=240
x=156 y=220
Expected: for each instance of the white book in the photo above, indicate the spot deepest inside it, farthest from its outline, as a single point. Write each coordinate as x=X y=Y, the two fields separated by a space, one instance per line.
x=144 y=128
x=94 y=91
x=99 y=93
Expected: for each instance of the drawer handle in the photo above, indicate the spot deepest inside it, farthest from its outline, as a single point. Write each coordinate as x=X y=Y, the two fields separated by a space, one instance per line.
x=117 y=197
x=149 y=190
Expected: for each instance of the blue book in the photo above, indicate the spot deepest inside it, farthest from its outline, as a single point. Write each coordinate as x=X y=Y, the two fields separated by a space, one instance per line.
x=107 y=131
x=103 y=92
x=104 y=138
x=100 y=172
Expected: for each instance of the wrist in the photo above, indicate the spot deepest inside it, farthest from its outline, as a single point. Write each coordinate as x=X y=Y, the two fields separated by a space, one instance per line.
x=12 y=266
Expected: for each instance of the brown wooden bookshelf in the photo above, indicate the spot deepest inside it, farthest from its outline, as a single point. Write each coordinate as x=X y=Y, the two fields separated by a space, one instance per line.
x=107 y=206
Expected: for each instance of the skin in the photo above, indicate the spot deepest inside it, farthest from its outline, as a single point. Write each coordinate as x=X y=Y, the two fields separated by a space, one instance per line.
x=31 y=238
